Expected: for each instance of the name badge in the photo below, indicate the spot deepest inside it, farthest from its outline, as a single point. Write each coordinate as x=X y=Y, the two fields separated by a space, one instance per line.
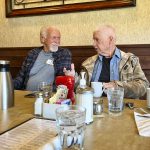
x=49 y=62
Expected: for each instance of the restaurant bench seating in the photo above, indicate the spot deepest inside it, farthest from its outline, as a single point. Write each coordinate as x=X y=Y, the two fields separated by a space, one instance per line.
x=16 y=55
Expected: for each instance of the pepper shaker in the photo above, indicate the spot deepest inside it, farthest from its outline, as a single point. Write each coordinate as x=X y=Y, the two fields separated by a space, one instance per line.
x=98 y=107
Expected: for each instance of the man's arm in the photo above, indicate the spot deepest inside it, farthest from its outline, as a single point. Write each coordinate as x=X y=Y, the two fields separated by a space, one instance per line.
x=134 y=83
x=19 y=80
x=23 y=75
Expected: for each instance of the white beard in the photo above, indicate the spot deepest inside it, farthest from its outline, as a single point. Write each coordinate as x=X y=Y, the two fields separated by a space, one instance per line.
x=53 y=48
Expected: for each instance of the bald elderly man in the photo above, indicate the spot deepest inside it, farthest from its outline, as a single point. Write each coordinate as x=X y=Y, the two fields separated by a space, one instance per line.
x=114 y=67
x=44 y=63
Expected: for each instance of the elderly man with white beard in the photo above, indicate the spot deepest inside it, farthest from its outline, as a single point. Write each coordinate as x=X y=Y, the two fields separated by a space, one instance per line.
x=44 y=63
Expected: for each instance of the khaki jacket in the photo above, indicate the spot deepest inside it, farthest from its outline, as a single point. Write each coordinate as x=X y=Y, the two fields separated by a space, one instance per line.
x=132 y=78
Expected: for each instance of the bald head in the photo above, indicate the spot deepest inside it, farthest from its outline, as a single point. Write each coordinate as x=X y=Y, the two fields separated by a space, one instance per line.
x=104 y=40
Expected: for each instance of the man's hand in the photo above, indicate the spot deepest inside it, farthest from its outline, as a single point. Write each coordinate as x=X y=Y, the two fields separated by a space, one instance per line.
x=69 y=72
x=111 y=84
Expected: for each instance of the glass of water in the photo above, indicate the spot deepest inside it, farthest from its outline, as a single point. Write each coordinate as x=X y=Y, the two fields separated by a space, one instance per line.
x=71 y=126
x=42 y=86
x=115 y=98
x=45 y=88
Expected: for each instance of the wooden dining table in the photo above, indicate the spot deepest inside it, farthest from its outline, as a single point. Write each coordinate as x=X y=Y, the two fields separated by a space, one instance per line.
x=106 y=132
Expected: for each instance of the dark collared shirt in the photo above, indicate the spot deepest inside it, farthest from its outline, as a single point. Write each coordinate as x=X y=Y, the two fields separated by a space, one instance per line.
x=105 y=72
x=114 y=67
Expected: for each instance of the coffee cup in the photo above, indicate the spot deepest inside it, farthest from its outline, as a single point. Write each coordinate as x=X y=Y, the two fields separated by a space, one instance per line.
x=98 y=89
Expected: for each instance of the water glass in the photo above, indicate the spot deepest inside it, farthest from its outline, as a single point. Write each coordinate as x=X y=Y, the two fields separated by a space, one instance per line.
x=42 y=86
x=45 y=88
x=71 y=126
x=115 y=100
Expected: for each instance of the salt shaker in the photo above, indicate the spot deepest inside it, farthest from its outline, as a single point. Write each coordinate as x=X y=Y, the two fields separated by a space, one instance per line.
x=38 y=104
x=98 y=107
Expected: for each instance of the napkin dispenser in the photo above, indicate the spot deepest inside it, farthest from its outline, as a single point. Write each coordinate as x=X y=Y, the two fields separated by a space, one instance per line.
x=49 y=110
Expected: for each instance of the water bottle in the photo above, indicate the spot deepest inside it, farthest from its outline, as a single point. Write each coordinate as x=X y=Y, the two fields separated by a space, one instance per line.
x=6 y=86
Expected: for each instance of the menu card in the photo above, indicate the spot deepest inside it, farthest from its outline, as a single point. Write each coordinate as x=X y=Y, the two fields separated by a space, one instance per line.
x=34 y=134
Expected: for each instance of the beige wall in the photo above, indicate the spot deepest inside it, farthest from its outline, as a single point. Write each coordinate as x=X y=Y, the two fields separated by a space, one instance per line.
x=132 y=24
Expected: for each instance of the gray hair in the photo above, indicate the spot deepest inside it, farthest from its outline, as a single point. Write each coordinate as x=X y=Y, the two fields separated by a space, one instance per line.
x=107 y=30
x=46 y=30
x=43 y=32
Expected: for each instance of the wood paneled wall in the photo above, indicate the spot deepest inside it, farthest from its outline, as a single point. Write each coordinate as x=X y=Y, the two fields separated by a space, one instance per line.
x=16 y=55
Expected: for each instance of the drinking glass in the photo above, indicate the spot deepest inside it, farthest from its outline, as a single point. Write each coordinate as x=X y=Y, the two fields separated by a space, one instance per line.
x=42 y=86
x=71 y=126
x=45 y=88
x=115 y=100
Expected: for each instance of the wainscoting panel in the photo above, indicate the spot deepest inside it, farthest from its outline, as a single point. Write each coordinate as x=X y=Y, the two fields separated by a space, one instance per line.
x=16 y=55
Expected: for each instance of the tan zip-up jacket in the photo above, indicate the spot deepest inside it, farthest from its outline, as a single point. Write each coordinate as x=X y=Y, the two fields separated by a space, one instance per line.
x=132 y=78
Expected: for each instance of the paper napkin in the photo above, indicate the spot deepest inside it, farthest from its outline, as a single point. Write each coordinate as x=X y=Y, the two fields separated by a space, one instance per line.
x=143 y=124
